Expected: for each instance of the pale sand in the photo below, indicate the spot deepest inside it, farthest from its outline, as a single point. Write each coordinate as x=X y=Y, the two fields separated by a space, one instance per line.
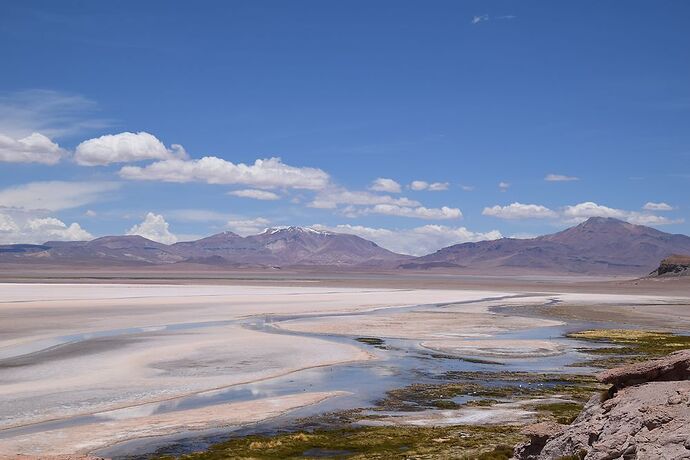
x=511 y=349
x=77 y=440
x=452 y=321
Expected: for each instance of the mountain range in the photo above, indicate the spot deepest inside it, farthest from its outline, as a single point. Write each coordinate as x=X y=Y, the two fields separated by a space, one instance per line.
x=596 y=246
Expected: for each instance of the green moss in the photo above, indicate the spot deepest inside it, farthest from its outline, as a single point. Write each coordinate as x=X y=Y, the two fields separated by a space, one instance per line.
x=445 y=404
x=373 y=341
x=462 y=442
x=630 y=345
x=561 y=412
x=514 y=386
x=370 y=340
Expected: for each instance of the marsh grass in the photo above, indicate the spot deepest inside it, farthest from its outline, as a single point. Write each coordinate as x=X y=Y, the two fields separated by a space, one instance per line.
x=629 y=345
x=460 y=442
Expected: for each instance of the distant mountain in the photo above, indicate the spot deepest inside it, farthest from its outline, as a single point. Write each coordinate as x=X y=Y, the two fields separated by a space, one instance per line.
x=275 y=247
x=597 y=246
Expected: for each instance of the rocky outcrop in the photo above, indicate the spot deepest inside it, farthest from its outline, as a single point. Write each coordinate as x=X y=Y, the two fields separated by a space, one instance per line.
x=675 y=366
x=647 y=416
x=675 y=265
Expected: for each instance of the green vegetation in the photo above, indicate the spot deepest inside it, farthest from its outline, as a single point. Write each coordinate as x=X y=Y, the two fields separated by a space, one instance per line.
x=461 y=442
x=561 y=412
x=373 y=341
x=628 y=345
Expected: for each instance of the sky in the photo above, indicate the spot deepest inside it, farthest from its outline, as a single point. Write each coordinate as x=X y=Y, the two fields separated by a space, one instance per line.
x=414 y=124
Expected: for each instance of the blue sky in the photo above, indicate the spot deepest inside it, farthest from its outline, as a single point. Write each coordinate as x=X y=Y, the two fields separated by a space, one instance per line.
x=463 y=95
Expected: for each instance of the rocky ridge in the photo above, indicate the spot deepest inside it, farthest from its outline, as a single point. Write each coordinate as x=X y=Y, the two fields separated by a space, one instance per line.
x=645 y=415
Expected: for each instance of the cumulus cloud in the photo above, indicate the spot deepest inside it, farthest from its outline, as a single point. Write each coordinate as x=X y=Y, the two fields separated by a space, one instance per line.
x=583 y=211
x=255 y=194
x=334 y=196
x=419 y=185
x=55 y=195
x=155 y=228
x=35 y=148
x=575 y=214
x=385 y=185
x=503 y=186
x=419 y=212
x=651 y=206
x=414 y=241
x=246 y=227
x=38 y=230
x=560 y=178
x=123 y=148
x=520 y=211
x=213 y=170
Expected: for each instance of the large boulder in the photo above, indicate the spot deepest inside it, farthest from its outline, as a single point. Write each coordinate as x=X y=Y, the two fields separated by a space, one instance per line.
x=675 y=366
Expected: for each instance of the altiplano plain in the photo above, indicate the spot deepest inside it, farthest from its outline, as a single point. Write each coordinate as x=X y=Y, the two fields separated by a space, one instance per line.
x=86 y=367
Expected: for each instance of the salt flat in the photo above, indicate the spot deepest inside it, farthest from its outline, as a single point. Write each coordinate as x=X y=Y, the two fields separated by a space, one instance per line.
x=71 y=350
x=83 y=366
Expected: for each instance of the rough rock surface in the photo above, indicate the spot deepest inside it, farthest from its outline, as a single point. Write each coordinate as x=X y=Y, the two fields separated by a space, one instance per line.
x=675 y=366
x=539 y=434
x=649 y=420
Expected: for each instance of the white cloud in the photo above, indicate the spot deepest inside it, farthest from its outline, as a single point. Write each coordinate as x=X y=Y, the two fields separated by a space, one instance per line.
x=155 y=228
x=35 y=148
x=503 y=186
x=414 y=241
x=52 y=113
x=438 y=186
x=55 y=195
x=520 y=211
x=651 y=206
x=255 y=194
x=560 y=178
x=332 y=197
x=39 y=230
x=485 y=17
x=582 y=211
x=467 y=188
x=419 y=185
x=480 y=18
x=123 y=148
x=574 y=214
x=213 y=170
x=246 y=227
x=385 y=185
x=419 y=212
